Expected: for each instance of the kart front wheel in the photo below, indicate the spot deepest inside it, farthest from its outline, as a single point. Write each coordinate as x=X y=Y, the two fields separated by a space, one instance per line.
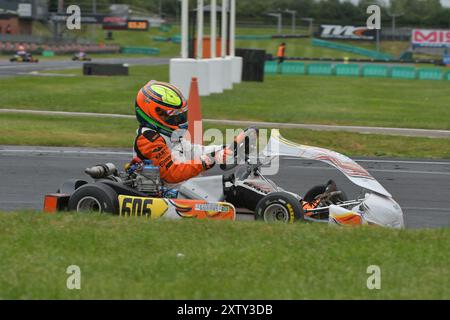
x=279 y=207
x=94 y=197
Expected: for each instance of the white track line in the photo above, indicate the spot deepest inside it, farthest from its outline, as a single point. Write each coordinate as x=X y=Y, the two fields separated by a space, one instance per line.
x=67 y=113
x=318 y=127
x=65 y=152
x=122 y=153
x=284 y=158
x=427 y=209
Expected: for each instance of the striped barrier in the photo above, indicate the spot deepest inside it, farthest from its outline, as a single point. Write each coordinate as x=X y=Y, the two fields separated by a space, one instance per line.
x=356 y=70
x=140 y=50
x=352 y=49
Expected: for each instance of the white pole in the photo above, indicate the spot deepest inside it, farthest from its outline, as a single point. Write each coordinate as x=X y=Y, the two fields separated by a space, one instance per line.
x=213 y=28
x=224 y=28
x=199 y=29
x=232 y=26
x=184 y=28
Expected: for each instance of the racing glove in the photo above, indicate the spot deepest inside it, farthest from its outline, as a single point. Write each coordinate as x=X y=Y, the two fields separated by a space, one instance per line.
x=220 y=157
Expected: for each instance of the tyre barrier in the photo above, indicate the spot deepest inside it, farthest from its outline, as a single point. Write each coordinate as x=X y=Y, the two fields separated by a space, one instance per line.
x=140 y=50
x=356 y=70
x=105 y=69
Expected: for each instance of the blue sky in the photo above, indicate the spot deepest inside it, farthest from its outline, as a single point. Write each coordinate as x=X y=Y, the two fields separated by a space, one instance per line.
x=445 y=3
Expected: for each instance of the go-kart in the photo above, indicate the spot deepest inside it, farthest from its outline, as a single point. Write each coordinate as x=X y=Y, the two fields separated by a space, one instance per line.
x=80 y=57
x=24 y=58
x=242 y=189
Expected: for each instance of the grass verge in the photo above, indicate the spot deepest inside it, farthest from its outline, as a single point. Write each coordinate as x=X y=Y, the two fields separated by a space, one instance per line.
x=138 y=259
x=25 y=129
x=297 y=99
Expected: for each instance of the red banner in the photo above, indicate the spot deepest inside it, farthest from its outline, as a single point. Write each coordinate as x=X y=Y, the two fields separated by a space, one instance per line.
x=430 y=38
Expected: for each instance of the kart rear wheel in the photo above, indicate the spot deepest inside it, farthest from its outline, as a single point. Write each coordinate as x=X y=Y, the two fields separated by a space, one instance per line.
x=94 y=197
x=279 y=207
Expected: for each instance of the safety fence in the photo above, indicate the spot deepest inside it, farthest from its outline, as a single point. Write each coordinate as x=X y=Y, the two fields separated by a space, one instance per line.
x=357 y=70
x=352 y=49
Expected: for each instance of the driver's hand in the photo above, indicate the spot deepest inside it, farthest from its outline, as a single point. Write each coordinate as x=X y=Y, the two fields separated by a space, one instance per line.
x=207 y=161
x=222 y=155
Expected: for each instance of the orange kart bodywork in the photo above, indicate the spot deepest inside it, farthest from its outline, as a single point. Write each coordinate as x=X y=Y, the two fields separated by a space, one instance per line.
x=155 y=208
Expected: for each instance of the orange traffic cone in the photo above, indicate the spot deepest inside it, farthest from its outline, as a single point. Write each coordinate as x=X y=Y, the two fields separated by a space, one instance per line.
x=195 y=120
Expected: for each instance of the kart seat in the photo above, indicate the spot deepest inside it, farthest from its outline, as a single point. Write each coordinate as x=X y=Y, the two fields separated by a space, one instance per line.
x=204 y=188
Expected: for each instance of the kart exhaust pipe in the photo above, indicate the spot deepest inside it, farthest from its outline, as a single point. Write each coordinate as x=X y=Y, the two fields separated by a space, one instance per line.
x=101 y=171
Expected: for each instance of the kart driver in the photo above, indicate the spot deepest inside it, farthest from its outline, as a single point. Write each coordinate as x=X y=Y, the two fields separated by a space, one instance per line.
x=161 y=110
x=21 y=52
x=81 y=54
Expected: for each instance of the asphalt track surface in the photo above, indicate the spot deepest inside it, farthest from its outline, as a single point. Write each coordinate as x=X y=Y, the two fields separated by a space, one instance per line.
x=422 y=187
x=13 y=69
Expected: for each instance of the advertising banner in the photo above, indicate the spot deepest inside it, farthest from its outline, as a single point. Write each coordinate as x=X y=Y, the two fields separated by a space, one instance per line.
x=115 y=23
x=430 y=38
x=339 y=32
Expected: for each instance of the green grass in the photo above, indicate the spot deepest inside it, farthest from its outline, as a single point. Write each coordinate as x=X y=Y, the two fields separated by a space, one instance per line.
x=295 y=47
x=394 y=48
x=340 y=101
x=139 y=259
x=95 y=94
x=25 y=129
x=297 y=99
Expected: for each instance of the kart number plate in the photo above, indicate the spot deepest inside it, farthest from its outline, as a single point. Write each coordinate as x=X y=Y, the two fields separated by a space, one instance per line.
x=141 y=207
x=211 y=207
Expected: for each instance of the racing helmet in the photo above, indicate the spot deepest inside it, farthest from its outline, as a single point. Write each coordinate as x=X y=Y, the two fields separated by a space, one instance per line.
x=162 y=107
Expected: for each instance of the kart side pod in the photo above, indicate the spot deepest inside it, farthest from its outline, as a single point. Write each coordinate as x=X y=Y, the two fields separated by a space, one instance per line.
x=155 y=208
x=341 y=216
x=152 y=208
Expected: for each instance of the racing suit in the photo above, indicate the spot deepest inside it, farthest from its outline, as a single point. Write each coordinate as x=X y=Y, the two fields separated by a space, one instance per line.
x=178 y=159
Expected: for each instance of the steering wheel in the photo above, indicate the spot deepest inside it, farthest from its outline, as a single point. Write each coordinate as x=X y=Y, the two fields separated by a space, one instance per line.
x=241 y=145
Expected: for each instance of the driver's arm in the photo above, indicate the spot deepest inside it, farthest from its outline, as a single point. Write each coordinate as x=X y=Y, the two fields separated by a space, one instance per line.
x=153 y=147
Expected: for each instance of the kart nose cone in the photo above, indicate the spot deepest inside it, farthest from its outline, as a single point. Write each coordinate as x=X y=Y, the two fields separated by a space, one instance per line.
x=382 y=211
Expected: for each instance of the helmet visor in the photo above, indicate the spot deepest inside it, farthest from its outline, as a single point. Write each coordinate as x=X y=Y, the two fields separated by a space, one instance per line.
x=175 y=117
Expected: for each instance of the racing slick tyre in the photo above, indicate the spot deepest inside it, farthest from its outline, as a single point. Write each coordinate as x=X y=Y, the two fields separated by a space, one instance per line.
x=279 y=207
x=94 y=197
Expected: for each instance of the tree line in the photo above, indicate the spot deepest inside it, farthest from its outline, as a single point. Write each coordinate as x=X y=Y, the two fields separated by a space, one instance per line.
x=418 y=13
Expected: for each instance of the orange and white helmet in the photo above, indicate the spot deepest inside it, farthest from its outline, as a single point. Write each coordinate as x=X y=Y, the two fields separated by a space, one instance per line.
x=161 y=106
